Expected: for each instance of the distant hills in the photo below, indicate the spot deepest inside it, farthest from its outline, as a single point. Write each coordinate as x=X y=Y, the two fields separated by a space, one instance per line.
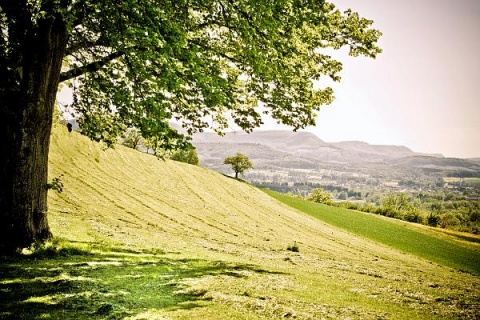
x=271 y=150
x=308 y=145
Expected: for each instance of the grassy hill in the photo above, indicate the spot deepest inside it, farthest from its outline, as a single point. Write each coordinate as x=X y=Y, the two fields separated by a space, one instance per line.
x=141 y=238
x=462 y=251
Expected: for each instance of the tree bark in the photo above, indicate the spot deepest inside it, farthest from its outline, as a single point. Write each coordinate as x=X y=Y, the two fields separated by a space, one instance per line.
x=27 y=100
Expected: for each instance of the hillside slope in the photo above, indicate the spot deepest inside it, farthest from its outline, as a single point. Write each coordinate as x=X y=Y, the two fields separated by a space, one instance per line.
x=176 y=206
x=124 y=198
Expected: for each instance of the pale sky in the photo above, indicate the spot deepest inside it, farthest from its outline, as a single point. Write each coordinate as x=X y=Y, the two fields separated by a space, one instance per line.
x=423 y=91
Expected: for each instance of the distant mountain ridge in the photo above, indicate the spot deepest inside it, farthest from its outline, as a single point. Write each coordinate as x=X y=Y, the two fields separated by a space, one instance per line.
x=304 y=150
x=386 y=150
x=308 y=145
x=276 y=139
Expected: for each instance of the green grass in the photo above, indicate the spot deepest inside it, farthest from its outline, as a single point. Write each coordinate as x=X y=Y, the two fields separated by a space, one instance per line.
x=100 y=283
x=140 y=238
x=114 y=283
x=396 y=234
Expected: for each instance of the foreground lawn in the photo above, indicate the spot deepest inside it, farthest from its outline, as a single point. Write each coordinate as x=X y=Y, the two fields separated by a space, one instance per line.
x=394 y=233
x=79 y=281
x=94 y=284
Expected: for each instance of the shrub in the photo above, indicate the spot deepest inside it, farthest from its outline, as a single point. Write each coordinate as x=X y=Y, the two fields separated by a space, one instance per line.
x=413 y=215
x=294 y=247
x=352 y=206
x=320 y=196
x=387 y=212
x=433 y=220
x=474 y=216
x=449 y=220
x=369 y=208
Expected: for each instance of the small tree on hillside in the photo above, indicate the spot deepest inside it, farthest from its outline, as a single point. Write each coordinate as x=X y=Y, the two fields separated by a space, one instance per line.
x=153 y=144
x=132 y=138
x=188 y=156
x=240 y=163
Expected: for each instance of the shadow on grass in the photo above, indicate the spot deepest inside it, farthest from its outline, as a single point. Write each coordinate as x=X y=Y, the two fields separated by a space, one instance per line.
x=102 y=284
x=466 y=237
x=237 y=179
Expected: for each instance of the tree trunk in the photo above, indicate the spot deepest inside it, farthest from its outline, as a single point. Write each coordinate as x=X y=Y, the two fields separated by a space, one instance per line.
x=28 y=99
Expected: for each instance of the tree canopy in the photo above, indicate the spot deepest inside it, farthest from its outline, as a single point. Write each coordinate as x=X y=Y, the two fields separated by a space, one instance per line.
x=239 y=163
x=189 y=156
x=144 y=63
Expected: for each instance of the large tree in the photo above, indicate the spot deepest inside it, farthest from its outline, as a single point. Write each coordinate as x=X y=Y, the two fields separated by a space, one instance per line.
x=142 y=63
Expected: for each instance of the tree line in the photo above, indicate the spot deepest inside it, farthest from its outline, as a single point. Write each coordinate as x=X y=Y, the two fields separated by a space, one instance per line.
x=132 y=138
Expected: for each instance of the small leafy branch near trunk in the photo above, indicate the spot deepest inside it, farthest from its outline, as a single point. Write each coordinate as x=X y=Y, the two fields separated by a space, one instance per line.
x=56 y=184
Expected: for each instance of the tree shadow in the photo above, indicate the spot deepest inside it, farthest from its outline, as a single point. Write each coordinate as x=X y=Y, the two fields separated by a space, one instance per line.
x=109 y=284
x=466 y=237
x=236 y=179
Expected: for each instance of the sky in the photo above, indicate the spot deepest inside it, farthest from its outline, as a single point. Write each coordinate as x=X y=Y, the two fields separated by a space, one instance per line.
x=423 y=91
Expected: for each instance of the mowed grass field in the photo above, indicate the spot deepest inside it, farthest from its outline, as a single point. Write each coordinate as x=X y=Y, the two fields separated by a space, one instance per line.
x=141 y=238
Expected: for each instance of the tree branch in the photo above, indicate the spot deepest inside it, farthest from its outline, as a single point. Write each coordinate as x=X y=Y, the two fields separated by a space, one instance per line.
x=91 y=67
x=218 y=52
x=75 y=46
x=79 y=10
x=249 y=20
